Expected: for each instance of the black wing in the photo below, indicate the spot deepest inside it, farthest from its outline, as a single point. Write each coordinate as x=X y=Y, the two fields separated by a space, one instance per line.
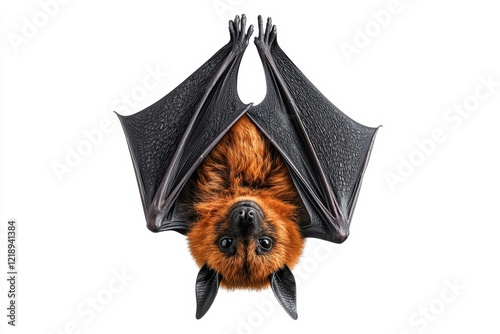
x=326 y=152
x=169 y=139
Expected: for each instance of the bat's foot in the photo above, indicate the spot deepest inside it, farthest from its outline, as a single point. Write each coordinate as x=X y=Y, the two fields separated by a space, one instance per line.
x=266 y=37
x=237 y=32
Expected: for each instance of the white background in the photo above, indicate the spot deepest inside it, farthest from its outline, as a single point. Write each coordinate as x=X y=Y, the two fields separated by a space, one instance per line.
x=435 y=225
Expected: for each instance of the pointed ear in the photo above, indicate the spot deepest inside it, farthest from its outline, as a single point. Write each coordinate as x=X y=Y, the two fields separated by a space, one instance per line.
x=283 y=285
x=207 y=285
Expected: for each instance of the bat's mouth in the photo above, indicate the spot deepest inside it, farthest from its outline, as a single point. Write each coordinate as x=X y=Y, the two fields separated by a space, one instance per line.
x=250 y=204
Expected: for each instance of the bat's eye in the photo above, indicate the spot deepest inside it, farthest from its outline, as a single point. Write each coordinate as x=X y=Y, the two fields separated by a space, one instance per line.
x=266 y=244
x=225 y=243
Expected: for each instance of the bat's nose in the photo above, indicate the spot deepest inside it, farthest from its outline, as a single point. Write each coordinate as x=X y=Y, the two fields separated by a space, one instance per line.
x=246 y=214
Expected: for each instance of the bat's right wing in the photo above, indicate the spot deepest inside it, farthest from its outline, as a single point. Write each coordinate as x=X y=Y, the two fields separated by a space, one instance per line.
x=169 y=139
x=326 y=152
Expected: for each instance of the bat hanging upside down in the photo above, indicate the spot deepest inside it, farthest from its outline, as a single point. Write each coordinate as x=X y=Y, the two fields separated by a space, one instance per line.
x=246 y=183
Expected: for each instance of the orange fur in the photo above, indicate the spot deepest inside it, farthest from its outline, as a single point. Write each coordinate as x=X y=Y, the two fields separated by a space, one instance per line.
x=244 y=167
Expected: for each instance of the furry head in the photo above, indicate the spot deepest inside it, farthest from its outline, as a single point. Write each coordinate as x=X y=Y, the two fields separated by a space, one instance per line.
x=247 y=210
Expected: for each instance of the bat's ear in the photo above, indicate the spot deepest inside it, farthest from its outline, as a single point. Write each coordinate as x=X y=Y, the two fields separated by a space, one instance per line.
x=207 y=285
x=283 y=285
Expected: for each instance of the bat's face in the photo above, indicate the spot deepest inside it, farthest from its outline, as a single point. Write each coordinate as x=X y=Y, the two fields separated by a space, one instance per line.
x=246 y=239
x=248 y=211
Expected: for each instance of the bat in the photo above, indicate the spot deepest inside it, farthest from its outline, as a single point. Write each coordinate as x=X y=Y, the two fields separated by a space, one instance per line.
x=248 y=183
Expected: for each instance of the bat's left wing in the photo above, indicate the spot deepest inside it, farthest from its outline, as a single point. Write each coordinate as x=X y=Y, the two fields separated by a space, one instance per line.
x=326 y=152
x=169 y=139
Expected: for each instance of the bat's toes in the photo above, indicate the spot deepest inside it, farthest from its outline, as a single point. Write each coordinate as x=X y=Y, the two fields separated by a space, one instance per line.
x=237 y=29
x=266 y=36
x=249 y=33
